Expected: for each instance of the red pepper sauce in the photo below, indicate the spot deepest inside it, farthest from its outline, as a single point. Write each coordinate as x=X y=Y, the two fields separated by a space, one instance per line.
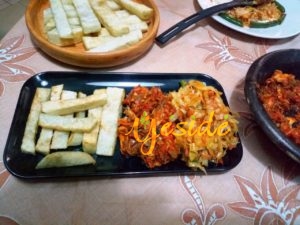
x=146 y=104
x=280 y=95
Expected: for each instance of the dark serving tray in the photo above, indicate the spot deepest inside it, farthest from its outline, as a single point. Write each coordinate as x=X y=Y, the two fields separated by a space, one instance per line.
x=23 y=165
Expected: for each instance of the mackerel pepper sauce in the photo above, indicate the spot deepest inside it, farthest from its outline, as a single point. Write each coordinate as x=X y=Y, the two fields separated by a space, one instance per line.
x=280 y=95
x=147 y=103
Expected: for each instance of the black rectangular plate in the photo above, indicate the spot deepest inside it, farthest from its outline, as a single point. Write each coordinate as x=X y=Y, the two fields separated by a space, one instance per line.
x=23 y=165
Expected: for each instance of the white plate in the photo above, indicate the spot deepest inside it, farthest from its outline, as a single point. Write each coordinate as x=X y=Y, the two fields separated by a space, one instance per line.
x=288 y=28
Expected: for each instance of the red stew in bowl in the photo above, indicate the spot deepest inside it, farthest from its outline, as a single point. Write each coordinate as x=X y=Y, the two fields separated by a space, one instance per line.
x=280 y=95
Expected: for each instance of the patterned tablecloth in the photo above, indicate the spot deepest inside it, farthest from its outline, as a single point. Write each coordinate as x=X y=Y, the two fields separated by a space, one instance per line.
x=262 y=189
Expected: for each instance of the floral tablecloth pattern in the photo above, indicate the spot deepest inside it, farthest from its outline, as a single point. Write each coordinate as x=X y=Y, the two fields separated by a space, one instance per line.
x=262 y=189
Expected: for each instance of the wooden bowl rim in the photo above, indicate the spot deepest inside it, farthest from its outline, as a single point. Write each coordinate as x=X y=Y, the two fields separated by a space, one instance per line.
x=149 y=36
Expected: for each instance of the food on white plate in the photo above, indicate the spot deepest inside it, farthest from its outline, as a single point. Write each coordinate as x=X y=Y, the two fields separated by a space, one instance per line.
x=109 y=121
x=45 y=137
x=260 y=16
x=63 y=107
x=65 y=159
x=28 y=141
x=90 y=139
x=89 y=22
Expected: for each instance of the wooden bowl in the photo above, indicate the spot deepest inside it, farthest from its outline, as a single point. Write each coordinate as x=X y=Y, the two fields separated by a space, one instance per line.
x=77 y=55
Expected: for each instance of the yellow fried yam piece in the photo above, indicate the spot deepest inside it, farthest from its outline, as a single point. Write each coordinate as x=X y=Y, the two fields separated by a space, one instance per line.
x=63 y=123
x=63 y=107
x=65 y=159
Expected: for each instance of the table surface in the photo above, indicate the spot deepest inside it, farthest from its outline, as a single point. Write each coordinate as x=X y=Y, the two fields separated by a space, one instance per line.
x=262 y=188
